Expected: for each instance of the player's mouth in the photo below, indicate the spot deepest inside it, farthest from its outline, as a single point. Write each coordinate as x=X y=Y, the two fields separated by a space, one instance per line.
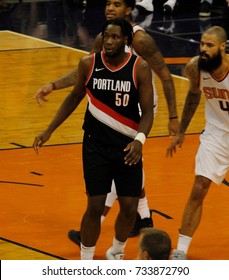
x=110 y=16
x=203 y=55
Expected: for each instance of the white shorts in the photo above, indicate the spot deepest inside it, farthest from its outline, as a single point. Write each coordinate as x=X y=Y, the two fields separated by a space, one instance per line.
x=212 y=158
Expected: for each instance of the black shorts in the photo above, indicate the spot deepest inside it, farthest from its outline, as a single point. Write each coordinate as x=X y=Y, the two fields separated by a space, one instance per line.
x=102 y=164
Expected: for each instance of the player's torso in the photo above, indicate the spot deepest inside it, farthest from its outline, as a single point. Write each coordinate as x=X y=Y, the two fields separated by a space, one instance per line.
x=216 y=92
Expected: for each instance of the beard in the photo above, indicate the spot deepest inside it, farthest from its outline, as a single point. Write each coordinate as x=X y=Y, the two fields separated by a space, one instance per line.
x=211 y=63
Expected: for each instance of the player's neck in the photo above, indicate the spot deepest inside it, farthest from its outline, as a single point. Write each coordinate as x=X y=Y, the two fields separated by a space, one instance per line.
x=221 y=71
x=116 y=60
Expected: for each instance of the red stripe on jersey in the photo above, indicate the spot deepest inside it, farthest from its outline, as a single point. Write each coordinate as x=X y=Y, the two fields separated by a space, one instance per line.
x=111 y=113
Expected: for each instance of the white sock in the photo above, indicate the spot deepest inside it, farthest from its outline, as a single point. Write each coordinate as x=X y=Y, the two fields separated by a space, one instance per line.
x=118 y=246
x=87 y=253
x=102 y=218
x=184 y=243
x=143 y=208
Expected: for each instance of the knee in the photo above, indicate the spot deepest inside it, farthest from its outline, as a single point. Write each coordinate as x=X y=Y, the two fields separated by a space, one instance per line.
x=129 y=211
x=200 y=189
x=95 y=210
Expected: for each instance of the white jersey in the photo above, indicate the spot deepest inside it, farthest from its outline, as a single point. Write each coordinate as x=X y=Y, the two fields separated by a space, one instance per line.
x=137 y=28
x=217 y=99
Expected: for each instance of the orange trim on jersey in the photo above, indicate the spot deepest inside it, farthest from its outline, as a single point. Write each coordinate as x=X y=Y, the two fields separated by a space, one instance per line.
x=135 y=71
x=220 y=79
x=117 y=67
x=111 y=113
x=91 y=68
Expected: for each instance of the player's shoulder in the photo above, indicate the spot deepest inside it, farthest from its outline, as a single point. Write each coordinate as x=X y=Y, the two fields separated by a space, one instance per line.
x=142 y=64
x=193 y=62
x=191 y=68
x=87 y=60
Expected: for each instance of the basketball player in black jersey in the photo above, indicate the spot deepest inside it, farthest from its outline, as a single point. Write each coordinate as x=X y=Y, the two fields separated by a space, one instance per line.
x=115 y=83
x=144 y=45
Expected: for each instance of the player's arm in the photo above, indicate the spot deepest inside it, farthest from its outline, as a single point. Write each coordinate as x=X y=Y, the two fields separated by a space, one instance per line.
x=144 y=78
x=194 y=94
x=145 y=89
x=67 y=80
x=69 y=105
x=146 y=47
x=191 y=103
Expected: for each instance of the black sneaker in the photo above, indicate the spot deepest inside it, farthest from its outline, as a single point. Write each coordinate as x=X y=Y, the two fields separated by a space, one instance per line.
x=205 y=9
x=74 y=236
x=141 y=223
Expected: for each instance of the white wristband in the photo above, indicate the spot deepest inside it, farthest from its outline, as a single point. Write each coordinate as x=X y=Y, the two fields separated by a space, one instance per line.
x=140 y=137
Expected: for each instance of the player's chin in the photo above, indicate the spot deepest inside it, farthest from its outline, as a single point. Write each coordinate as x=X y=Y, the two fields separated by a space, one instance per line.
x=109 y=52
x=108 y=17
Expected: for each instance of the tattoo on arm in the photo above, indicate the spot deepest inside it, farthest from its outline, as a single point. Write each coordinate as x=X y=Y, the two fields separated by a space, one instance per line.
x=148 y=49
x=68 y=80
x=191 y=103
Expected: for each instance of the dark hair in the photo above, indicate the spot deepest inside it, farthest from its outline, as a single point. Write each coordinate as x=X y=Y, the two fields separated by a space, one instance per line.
x=130 y=3
x=126 y=28
x=156 y=242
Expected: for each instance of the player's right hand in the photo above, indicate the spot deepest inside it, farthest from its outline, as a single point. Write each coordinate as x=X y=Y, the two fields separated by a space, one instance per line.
x=42 y=92
x=40 y=140
x=177 y=140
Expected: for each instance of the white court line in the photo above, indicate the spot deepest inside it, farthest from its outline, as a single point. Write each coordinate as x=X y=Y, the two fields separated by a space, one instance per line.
x=66 y=47
x=44 y=41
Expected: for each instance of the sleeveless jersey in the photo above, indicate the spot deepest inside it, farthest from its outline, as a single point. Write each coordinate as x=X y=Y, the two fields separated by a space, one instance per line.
x=217 y=99
x=112 y=115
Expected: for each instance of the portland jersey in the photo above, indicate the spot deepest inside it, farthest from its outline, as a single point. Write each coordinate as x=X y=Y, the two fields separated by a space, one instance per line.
x=112 y=115
x=217 y=99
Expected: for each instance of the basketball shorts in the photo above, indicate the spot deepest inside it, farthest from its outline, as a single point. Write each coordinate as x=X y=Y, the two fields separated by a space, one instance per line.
x=212 y=158
x=102 y=164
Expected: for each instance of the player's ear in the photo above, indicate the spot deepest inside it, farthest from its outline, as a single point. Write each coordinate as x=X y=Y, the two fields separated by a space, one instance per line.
x=223 y=46
x=128 y=11
x=126 y=40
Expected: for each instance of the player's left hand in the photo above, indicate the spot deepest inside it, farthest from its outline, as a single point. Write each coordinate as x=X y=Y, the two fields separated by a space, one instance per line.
x=134 y=154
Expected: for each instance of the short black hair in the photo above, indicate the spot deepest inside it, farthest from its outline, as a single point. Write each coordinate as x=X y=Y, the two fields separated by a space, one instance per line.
x=125 y=26
x=130 y=3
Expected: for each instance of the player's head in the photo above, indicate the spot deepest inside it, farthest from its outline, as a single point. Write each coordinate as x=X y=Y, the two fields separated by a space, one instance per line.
x=119 y=8
x=116 y=33
x=154 y=244
x=212 y=48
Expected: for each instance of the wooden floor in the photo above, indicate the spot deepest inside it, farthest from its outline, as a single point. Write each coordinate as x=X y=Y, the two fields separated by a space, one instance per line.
x=42 y=197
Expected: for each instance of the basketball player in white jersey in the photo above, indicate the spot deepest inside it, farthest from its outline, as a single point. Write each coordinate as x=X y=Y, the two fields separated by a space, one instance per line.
x=208 y=74
x=144 y=46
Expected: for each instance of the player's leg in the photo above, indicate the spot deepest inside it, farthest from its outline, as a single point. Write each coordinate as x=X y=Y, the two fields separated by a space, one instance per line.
x=91 y=225
x=123 y=225
x=111 y=197
x=191 y=216
x=97 y=169
x=212 y=161
x=143 y=218
x=128 y=182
